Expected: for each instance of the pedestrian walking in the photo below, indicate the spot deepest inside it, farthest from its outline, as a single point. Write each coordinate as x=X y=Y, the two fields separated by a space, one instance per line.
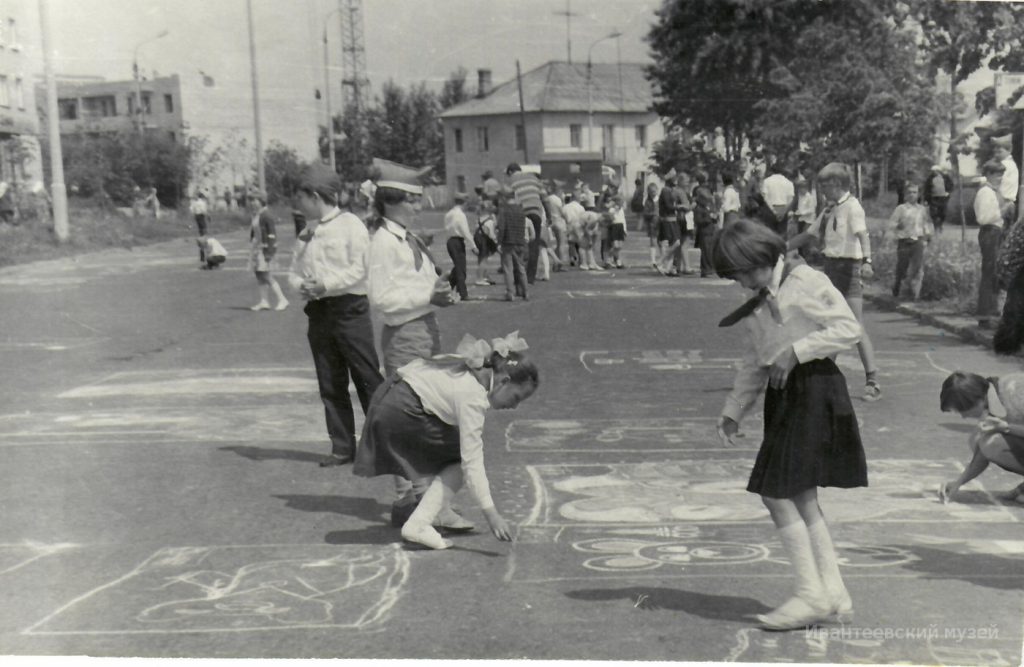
x=668 y=228
x=913 y=229
x=526 y=187
x=806 y=205
x=262 y=250
x=778 y=193
x=685 y=224
x=200 y=213
x=617 y=231
x=650 y=218
x=842 y=234
x=511 y=232
x=797 y=323
x=731 y=205
x=485 y=239
x=553 y=208
x=456 y=224
x=989 y=210
x=329 y=271
x=997 y=439
x=705 y=224
x=426 y=425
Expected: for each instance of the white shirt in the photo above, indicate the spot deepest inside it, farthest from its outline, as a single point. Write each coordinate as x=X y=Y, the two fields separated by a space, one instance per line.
x=844 y=222
x=214 y=248
x=805 y=207
x=986 y=207
x=335 y=255
x=816 y=322
x=554 y=207
x=198 y=206
x=457 y=398
x=730 y=200
x=1011 y=180
x=911 y=221
x=397 y=290
x=574 y=212
x=777 y=190
x=457 y=224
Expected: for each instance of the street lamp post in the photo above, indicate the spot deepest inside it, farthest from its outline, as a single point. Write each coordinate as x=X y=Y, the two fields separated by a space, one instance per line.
x=590 y=92
x=327 y=95
x=138 y=81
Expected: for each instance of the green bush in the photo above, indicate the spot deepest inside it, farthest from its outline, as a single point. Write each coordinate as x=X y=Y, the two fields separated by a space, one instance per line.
x=951 y=268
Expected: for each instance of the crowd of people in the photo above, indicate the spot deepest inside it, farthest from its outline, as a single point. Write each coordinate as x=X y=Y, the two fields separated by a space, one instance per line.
x=803 y=259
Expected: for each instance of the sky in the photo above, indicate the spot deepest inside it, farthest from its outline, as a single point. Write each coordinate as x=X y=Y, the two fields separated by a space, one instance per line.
x=407 y=41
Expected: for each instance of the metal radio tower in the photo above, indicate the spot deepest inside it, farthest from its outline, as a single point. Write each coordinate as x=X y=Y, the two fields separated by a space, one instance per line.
x=354 y=83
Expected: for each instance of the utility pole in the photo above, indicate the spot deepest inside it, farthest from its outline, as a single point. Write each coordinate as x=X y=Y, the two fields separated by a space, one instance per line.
x=261 y=178
x=568 y=14
x=58 y=191
x=522 y=114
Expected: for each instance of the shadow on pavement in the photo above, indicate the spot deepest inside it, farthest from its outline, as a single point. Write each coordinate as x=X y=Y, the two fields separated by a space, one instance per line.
x=378 y=534
x=712 y=607
x=964 y=427
x=980 y=569
x=366 y=509
x=271 y=454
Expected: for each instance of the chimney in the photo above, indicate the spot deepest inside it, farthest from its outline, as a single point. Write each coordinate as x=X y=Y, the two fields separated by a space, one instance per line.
x=483 y=82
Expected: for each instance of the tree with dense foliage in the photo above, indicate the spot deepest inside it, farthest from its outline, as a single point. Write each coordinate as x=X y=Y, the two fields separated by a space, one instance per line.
x=283 y=171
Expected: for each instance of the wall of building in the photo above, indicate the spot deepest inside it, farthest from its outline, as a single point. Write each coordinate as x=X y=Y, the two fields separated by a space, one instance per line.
x=19 y=148
x=110 y=106
x=546 y=133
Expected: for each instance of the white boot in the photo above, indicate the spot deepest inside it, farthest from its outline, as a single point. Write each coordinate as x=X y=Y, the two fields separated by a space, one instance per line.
x=808 y=604
x=419 y=528
x=838 y=597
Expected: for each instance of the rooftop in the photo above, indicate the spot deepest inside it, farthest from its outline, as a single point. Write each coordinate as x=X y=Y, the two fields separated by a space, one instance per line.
x=561 y=86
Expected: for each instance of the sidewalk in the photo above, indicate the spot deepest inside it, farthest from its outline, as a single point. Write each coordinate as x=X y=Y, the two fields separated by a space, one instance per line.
x=932 y=314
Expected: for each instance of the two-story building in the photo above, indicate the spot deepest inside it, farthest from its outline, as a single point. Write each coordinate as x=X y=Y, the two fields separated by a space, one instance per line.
x=570 y=112
x=19 y=146
x=110 y=106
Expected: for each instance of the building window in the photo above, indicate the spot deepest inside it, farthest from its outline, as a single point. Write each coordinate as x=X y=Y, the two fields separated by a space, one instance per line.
x=520 y=138
x=147 y=107
x=103 y=106
x=482 y=141
x=67 y=109
x=12 y=34
x=168 y=103
x=608 y=137
x=641 y=136
x=19 y=93
x=460 y=183
x=576 y=136
x=5 y=93
x=458 y=140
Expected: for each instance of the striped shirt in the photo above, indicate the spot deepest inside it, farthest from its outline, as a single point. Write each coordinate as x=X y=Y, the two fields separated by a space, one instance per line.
x=526 y=187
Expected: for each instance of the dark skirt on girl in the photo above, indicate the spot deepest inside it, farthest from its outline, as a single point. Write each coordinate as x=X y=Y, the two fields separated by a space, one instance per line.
x=401 y=438
x=811 y=437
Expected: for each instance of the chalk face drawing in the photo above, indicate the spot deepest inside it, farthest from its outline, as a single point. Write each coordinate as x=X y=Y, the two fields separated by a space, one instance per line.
x=602 y=435
x=231 y=589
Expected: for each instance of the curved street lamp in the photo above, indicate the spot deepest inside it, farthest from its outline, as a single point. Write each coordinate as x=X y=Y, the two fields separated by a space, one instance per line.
x=590 y=92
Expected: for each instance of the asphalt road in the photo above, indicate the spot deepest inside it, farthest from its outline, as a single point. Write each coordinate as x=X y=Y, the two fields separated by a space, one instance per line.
x=160 y=494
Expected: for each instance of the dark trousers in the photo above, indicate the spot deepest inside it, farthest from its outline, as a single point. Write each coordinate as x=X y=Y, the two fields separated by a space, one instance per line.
x=704 y=241
x=457 y=278
x=341 y=338
x=513 y=260
x=533 y=248
x=988 y=292
x=909 y=258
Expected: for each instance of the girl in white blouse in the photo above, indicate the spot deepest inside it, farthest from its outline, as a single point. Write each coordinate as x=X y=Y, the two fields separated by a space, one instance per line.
x=796 y=325
x=425 y=423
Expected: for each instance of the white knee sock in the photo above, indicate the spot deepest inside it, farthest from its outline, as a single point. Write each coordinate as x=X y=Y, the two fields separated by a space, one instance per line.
x=828 y=565
x=264 y=293
x=796 y=541
x=278 y=294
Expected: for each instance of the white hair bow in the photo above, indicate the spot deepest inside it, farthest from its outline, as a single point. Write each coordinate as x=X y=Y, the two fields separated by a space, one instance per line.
x=510 y=343
x=473 y=351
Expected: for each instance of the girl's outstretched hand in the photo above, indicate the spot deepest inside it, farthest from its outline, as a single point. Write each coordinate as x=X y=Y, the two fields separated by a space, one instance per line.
x=947 y=490
x=727 y=430
x=498 y=525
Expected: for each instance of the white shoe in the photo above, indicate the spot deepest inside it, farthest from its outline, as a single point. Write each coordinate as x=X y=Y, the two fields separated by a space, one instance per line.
x=262 y=305
x=482 y=283
x=842 y=608
x=584 y=267
x=449 y=519
x=281 y=305
x=421 y=533
x=595 y=267
x=795 y=613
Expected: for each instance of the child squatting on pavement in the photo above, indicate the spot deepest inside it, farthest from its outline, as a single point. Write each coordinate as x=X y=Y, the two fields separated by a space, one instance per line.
x=998 y=440
x=426 y=423
x=796 y=324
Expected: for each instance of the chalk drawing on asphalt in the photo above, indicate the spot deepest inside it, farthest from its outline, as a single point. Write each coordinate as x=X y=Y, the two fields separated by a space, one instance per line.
x=595 y=361
x=619 y=435
x=241 y=588
x=667 y=492
x=16 y=556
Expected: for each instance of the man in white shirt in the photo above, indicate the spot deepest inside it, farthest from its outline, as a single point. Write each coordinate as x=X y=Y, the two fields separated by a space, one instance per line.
x=329 y=271
x=731 y=205
x=778 y=193
x=989 y=212
x=459 y=236
x=1011 y=176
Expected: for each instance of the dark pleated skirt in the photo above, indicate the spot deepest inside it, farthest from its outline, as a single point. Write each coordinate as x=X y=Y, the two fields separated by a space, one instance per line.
x=811 y=437
x=401 y=438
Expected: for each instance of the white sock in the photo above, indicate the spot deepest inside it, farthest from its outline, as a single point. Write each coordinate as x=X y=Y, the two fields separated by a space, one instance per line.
x=278 y=294
x=827 y=563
